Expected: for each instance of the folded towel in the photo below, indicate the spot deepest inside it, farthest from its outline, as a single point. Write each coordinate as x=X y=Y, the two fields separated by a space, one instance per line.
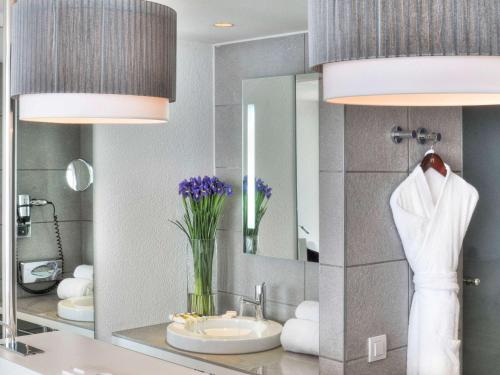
x=308 y=310
x=301 y=336
x=84 y=272
x=70 y=287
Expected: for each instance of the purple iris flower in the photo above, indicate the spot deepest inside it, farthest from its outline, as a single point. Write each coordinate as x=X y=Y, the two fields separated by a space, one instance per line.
x=197 y=187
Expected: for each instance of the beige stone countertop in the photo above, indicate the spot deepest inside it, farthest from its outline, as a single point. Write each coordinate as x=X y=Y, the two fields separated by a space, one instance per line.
x=275 y=361
x=64 y=352
x=46 y=307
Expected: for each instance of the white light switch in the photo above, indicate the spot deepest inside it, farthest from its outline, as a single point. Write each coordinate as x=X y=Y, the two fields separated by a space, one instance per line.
x=377 y=348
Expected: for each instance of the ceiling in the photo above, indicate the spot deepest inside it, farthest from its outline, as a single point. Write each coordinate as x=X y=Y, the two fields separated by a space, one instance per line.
x=252 y=18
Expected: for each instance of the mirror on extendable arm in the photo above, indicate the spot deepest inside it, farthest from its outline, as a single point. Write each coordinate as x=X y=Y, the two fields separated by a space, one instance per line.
x=79 y=175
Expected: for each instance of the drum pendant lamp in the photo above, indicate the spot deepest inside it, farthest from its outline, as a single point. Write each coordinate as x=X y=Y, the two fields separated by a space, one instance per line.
x=93 y=61
x=407 y=53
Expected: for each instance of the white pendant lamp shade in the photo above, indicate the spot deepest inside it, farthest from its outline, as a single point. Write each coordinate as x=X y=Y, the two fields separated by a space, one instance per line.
x=402 y=53
x=93 y=61
x=93 y=109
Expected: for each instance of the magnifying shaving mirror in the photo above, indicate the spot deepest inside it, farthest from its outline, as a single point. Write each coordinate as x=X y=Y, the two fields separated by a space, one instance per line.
x=79 y=175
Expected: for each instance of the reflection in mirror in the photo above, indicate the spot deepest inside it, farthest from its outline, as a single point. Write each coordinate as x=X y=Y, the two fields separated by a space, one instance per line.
x=281 y=167
x=307 y=138
x=79 y=175
x=55 y=229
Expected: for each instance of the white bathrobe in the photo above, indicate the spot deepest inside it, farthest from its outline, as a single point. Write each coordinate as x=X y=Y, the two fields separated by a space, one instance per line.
x=432 y=214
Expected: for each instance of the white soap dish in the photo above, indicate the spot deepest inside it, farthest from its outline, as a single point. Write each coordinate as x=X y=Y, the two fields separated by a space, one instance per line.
x=80 y=309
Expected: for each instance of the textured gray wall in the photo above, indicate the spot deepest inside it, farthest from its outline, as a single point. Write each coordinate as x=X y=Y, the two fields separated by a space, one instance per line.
x=370 y=262
x=288 y=282
x=140 y=256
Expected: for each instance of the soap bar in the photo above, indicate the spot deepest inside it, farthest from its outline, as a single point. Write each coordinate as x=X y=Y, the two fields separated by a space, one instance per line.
x=182 y=318
x=230 y=314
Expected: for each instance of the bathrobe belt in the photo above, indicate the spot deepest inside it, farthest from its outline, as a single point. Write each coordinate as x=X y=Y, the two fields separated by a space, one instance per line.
x=443 y=281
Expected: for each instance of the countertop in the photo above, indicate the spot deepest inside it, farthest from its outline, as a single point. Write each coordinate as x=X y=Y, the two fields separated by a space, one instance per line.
x=65 y=351
x=45 y=309
x=275 y=361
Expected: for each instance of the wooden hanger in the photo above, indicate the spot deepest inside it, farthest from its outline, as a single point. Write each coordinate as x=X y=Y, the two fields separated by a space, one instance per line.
x=433 y=160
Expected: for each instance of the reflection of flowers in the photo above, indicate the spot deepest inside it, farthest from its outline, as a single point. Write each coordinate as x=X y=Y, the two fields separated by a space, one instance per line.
x=203 y=201
x=263 y=193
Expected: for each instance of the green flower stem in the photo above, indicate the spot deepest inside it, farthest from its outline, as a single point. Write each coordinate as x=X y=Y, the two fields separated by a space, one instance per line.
x=203 y=255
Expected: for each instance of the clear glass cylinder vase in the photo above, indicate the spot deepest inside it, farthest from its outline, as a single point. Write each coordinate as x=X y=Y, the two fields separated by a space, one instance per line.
x=202 y=276
x=251 y=243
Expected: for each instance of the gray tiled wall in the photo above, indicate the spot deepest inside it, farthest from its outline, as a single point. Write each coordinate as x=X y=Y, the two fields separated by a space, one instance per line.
x=362 y=269
x=376 y=272
x=288 y=282
x=43 y=155
x=332 y=239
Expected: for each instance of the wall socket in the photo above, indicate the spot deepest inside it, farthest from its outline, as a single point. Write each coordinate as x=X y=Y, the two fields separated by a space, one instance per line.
x=377 y=348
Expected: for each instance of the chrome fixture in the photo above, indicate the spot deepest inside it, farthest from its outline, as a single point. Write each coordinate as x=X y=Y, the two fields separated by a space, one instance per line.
x=472 y=281
x=422 y=135
x=258 y=302
x=19 y=347
x=24 y=204
x=23 y=216
x=398 y=134
x=9 y=199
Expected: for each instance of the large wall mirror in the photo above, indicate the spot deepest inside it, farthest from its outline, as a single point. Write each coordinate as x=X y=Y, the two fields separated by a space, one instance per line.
x=55 y=250
x=280 y=204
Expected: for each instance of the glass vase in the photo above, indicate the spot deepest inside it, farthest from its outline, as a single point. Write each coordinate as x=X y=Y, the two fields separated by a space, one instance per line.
x=201 y=276
x=251 y=243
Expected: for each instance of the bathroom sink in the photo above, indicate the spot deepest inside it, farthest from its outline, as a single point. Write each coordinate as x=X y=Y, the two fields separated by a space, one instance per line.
x=215 y=335
x=80 y=309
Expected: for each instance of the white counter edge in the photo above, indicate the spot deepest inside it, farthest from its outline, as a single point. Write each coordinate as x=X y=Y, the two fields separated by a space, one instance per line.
x=50 y=323
x=173 y=357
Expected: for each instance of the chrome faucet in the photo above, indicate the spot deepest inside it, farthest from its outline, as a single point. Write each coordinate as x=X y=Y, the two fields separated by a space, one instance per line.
x=258 y=302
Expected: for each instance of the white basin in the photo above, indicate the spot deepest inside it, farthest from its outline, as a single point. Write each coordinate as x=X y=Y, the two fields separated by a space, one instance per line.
x=215 y=335
x=79 y=309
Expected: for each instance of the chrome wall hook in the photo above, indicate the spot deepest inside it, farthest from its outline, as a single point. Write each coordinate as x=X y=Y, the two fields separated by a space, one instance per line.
x=423 y=135
x=398 y=134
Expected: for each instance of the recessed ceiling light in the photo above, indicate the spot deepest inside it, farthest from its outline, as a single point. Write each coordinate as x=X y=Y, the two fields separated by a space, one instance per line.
x=223 y=25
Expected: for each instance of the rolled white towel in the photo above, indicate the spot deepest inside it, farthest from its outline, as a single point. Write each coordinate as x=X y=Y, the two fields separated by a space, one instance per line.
x=308 y=310
x=69 y=288
x=84 y=272
x=301 y=336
